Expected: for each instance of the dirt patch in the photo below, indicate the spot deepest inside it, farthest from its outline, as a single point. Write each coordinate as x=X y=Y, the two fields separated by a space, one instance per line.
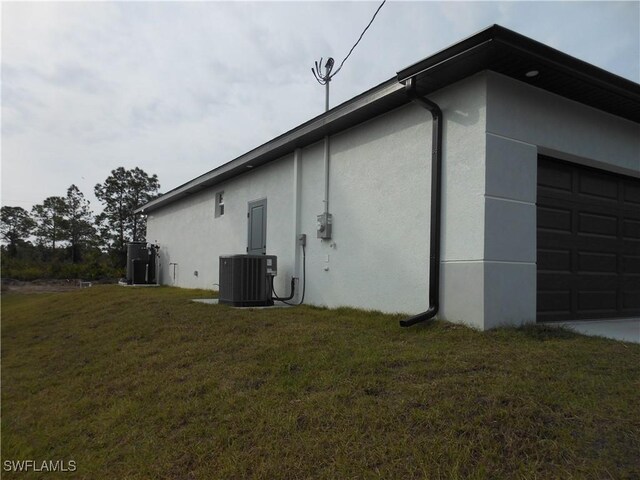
x=10 y=285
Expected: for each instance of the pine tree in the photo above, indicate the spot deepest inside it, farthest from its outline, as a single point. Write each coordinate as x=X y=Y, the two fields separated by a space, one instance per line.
x=50 y=221
x=121 y=194
x=15 y=226
x=79 y=222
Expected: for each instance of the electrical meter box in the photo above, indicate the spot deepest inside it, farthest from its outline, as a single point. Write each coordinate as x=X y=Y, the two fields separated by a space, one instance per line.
x=324 y=226
x=272 y=265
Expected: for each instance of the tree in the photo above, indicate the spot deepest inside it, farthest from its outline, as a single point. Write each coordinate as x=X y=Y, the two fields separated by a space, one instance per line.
x=50 y=221
x=79 y=222
x=121 y=193
x=15 y=225
x=143 y=189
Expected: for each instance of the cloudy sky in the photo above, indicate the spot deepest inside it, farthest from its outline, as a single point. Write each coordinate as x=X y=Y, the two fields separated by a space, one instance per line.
x=180 y=88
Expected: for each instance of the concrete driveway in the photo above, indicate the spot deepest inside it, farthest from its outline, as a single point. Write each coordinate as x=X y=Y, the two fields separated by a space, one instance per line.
x=625 y=329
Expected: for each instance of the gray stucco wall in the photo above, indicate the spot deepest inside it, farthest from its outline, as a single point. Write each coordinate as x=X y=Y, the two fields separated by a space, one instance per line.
x=463 y=179
x=379 y=195
x=190 y=235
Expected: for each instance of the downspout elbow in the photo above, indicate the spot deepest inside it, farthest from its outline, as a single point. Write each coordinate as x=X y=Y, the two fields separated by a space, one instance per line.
x=432 y=107
x=421 y=317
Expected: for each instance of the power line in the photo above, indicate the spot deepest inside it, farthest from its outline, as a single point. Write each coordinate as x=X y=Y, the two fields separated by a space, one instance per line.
x=326 y=78
x=360 y=38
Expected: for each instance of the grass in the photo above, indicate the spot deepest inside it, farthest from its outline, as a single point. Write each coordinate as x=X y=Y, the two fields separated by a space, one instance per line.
x=141 y=383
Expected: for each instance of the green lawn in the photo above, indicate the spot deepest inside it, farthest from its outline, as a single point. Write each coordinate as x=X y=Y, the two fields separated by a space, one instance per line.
x=141 y=383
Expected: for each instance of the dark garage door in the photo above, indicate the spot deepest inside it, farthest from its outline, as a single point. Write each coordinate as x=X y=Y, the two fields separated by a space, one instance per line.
x=588 y=243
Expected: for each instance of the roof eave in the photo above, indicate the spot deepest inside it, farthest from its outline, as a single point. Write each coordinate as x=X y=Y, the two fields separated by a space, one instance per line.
x=510 y=53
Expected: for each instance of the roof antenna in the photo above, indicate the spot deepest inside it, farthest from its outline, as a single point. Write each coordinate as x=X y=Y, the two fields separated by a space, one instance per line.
x=325 y=79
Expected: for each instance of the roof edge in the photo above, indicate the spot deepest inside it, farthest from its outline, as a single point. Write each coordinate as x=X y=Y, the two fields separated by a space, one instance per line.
x=499 y=34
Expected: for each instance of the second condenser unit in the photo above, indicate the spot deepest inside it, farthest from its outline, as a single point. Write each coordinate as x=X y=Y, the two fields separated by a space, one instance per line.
x=142 y=259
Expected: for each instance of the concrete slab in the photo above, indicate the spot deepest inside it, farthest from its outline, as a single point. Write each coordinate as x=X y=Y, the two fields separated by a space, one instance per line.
x=214 y=301
x=208 y=301
x=625 y=329
x=138 y=285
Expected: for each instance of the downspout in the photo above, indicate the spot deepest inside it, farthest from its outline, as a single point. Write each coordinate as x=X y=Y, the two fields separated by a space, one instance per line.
x=436 y=196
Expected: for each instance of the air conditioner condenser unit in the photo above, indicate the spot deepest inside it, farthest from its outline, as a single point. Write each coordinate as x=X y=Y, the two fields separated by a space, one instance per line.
x=246 y=280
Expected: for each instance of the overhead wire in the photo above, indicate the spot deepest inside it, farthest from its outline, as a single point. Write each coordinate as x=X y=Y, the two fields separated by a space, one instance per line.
x=324 y=79
x=360 y=38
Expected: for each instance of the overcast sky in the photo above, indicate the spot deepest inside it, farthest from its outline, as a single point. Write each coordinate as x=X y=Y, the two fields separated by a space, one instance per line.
x=181 y=88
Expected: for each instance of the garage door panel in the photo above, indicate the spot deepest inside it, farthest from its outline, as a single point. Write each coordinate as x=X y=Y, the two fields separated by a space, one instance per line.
x=553 y=281
x=598 y=224
x=630 y=264
x=554 y=218
x=631 y=302
x=550 y=241
x=631 y=282
x=588 y=243
x=631 y=230
x=554 y=260
x=555 y=177
x=597 y=262
x=554 y=302
x=578 y=242
x=597 y=302
x=593 y=242
x=591 y=184
x=631 y=193
x=595 y=282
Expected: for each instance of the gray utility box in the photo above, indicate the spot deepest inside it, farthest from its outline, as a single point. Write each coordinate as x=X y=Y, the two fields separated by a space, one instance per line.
x=324 y=223
x=246 y=280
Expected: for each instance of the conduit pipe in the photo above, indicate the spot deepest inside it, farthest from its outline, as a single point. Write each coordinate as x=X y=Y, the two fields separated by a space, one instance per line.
x=326 y=175
x=284 y=299
x=436 y=196
x=326 y=141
